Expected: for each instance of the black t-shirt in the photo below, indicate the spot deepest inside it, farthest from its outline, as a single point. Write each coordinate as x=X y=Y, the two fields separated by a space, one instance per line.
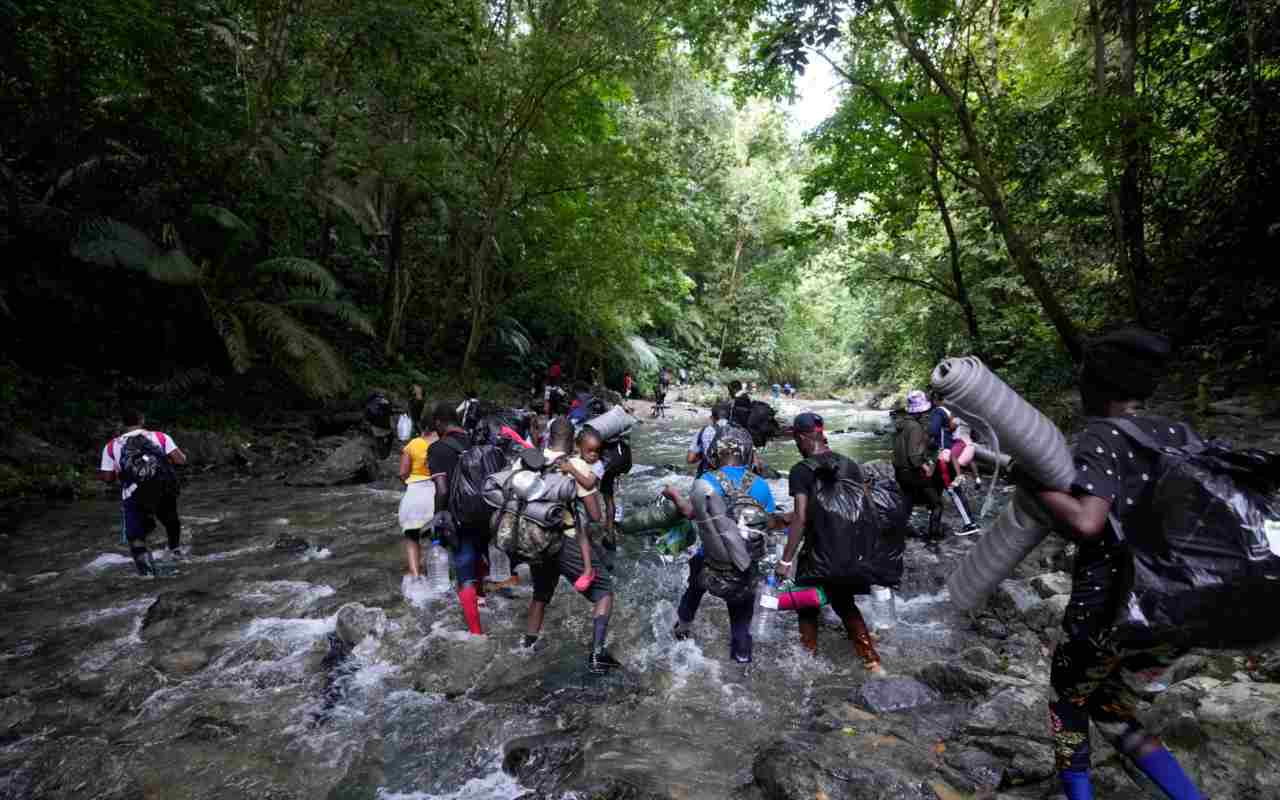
x=1109 y=466
x=443 y=456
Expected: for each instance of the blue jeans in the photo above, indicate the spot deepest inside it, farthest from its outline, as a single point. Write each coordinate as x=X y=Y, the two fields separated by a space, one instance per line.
x=741 y=610
x=471 y=558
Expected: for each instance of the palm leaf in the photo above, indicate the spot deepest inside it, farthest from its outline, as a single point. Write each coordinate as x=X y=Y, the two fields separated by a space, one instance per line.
x=345 y=312
x=304 y=357
x=222 y=218
x=111 y=243
x=511 y=336
x=183 y=382
x=302 y=270
x=173 y=267
x=635 y=352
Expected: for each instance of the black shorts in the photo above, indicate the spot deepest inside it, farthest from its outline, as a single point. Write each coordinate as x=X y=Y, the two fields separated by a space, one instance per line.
x=568 y=562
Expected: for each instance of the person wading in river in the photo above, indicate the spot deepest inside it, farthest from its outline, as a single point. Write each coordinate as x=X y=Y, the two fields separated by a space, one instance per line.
x=915 y=462
x=840 y=587
x=1113 y=479
x=143 y=462
x=470 y=554
x=733 y=448
x=596 y=586
x=418 y=505
x=700 y=448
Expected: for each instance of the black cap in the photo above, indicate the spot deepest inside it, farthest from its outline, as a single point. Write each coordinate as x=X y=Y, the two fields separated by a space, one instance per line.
x=807 y=422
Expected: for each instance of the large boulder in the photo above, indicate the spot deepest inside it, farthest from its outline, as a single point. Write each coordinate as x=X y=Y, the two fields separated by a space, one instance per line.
x=204 y=448
x=355 y=461
x=544 y=762
x=1012 y=600
x=893 y=694
x=1051 y=583
x=22 y=448
x=356 y=621
x=843 y=767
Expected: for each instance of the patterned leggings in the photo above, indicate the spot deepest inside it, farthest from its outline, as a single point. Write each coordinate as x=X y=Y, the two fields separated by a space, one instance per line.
x=1096 y=679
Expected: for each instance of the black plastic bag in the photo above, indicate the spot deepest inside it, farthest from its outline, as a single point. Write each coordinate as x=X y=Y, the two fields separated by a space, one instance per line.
x=848 y=540
x=1206 y=559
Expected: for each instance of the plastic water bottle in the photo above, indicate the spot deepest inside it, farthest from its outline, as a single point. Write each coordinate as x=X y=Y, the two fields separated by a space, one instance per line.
x=617 y=510
x=499 y=564
x=883 y=614
x=765 y=622
x=438 y=569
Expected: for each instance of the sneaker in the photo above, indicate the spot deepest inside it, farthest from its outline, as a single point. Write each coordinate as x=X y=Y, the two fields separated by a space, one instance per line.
x=682 y=631
x=600 y=661
x=876 y=671
x=970 y=529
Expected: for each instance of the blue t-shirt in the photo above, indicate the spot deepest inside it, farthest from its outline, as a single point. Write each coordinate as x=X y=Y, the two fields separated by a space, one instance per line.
x=759 y=489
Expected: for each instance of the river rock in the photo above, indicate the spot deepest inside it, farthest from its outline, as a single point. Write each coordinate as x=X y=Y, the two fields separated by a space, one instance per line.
x=1014 y=711
x=893 y=694
x=22 y=448
x=1044 y=618
x=959 y=679
x=356 y=621
x=355 y=461
x=1013 y=599
x=544 y=762
x=842 y=767
x=1051 y=583
x=182 y=662
x=173 y=605
x=205 y=448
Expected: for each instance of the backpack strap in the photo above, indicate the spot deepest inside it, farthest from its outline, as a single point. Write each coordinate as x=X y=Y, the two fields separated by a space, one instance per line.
x=1138 y=436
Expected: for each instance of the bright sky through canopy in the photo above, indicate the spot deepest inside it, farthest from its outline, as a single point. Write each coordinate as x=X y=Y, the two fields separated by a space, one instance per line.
x=817 y=95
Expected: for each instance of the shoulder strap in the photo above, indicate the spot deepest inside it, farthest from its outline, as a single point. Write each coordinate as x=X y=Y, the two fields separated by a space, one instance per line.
x=453 y=444
x=1137 y=435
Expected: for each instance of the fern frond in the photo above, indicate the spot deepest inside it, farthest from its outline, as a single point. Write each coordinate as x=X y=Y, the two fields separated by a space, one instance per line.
x=302 y=270
x=173 y=267
x=223 y=218
x=511 y=336
x=111 y=243
x=184 y=382
x=345 y=312
x=303 y=356
x=635 y=352
x=234 y=338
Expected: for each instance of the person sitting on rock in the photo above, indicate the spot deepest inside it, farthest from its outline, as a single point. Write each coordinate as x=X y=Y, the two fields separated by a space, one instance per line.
x=1112 y=479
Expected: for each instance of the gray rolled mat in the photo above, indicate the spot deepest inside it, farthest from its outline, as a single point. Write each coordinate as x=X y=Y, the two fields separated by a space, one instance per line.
x=1015 y=533
x=988 y=456
x=1022 y=431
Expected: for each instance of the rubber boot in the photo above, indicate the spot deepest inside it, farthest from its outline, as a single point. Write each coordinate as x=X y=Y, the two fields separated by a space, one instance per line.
x=865 y=649
x=809 y=636
x=935 y=523
x=471 y=608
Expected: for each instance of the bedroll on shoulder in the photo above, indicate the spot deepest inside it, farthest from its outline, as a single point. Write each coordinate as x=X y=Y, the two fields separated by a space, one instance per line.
x=723 y=540
x=1206 y=560
x=529 y=486
x=612 y=424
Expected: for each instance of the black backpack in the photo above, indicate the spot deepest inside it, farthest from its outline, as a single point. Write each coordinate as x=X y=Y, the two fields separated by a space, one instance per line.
x=902 y=442
x=466 y=483
x=847 y=539
x=1206 y=551
x=377 y=410
x=144 y=466
x=762 y=422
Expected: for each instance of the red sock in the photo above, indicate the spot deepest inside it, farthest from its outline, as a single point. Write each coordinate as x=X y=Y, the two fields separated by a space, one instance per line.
x=470 y=608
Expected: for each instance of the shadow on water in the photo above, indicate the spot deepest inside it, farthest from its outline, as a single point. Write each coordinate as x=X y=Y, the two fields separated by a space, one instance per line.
x=243 y=675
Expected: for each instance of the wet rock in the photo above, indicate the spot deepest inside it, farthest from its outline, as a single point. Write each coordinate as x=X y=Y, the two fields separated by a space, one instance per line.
x=544 y=762
x=355 y=461
x=291 y=544
x=958 y=679
x=983 y=768
x=991 y=628
x=174 y=605
x=1051 y=583
x=356 y=621
x=22 y=448
x=839 y=767
x=1025 y=759
x=1045 y=617
x=1012 y=600
x=212 y=728
x=1013 y=711
x=205 y=448
x=982 y=658
x=182 y=662
x=893 y=694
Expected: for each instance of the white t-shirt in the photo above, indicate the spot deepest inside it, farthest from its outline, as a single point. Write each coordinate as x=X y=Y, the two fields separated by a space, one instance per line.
x=111 y=453
x=570 y=529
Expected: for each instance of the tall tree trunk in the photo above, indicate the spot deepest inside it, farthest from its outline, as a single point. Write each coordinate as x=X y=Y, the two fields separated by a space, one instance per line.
x=476 y=294
x=988 y=186
x=957 y=276
x=1108 y=164
x=1131 y=146
x=738 y=244
x=392 y=295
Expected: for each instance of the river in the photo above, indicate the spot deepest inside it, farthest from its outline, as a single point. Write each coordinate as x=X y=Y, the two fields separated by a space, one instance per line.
x=220 y=681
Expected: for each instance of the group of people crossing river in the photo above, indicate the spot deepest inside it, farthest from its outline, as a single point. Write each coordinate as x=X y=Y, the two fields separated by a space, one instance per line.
x=539 y=485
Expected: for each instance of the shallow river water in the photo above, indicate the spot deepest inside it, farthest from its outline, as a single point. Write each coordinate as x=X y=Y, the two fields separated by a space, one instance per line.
x=222 y=681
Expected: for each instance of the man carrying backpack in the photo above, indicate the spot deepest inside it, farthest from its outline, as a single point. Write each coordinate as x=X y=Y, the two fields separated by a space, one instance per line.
x=700 y=452
x=377 y=415
x=582 y=562
x=731 y=479
x=1114 y=481
x=143 y=461
x=915 y=462
x=833 y=543
x=470 y=548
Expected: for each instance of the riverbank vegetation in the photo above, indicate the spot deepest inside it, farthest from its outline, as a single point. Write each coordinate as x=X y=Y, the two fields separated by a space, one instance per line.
x=264 y=205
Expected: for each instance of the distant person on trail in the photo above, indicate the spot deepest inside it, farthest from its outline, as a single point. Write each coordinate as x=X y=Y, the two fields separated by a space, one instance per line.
x=684 y=376
x=737 y=589
x=660 y=393
x=143 y=462
x=377 y=416
x=915 y=461
x=628 y=385
x=1120 y=372
x=776 y=389
x=741 y=400
x=469 y=410
x=553 y=396
x=951 y=452
x=469 y=555
x=811 y=441
x=700 y=448
x=596 y=587
x=418 y=505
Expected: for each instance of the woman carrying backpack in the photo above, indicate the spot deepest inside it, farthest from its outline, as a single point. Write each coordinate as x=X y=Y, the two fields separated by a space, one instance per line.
x=1113 y=479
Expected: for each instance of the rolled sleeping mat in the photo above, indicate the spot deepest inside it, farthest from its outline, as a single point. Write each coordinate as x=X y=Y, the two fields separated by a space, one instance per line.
x=722 y=539
x=1026 y=434
x=529 y=485
x=547 y=514
x=990 y=457
x=612 y=424
x=656 y=517
x=1024 y=524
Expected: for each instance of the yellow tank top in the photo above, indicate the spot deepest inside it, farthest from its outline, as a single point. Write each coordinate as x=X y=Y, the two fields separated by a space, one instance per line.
x=417 y=451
